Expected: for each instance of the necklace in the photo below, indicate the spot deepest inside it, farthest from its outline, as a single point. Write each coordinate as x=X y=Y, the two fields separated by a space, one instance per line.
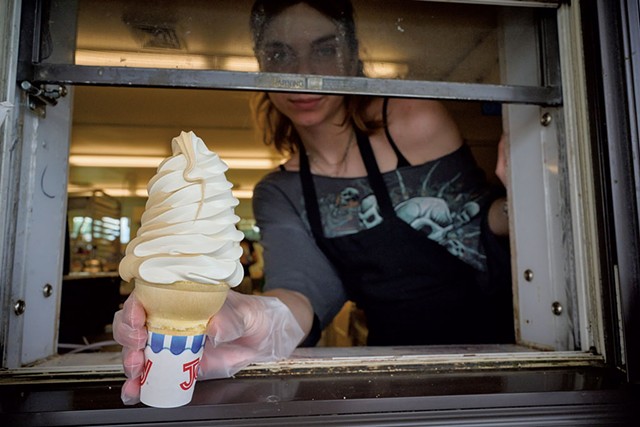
x=338 y=167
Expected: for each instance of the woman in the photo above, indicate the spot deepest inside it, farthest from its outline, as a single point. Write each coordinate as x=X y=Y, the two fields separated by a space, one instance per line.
x=380 y=202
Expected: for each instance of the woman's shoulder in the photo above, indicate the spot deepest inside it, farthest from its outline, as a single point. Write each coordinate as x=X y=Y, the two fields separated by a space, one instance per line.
x=422 y=129
x=278 y=177
x=276 y=190
x=277 y=184
x=407 y=110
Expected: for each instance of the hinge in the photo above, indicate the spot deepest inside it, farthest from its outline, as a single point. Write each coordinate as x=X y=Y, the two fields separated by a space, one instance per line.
x=42 y=95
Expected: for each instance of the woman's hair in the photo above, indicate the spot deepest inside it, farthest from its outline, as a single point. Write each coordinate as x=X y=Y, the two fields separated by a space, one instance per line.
x=277 y=129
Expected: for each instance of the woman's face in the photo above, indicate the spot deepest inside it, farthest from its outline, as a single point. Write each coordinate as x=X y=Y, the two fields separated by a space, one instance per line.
x=302 y=40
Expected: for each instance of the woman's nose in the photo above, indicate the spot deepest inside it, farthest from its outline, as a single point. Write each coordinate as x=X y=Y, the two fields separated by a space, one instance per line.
x=304 y=65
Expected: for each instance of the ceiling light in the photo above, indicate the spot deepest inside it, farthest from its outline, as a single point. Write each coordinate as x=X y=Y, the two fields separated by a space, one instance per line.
x=166 y=60
x=385 y=70
x=113 y=58
x=240 y=63
x=254 y=163
x=142 y=59
x=84 y=160
x=241 y=193
x=114 y=161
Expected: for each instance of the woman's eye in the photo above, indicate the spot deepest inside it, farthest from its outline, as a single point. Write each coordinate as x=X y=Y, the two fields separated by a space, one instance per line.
x=278 y=56
x=326 y=51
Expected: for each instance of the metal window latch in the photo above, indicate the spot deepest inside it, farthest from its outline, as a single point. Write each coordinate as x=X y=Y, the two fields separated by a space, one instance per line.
x=42 y=95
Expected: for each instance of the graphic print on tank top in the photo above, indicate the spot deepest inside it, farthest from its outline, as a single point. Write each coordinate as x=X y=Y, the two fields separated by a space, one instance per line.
x=441 y=198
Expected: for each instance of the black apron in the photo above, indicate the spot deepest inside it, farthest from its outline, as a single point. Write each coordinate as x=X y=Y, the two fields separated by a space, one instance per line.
x=411 y=289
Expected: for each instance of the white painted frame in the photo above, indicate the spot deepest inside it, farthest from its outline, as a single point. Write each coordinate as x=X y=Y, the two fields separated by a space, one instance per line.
x=33 y=196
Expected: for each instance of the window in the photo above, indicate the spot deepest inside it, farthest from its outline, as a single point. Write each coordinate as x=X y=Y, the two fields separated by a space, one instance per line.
x=509 y=54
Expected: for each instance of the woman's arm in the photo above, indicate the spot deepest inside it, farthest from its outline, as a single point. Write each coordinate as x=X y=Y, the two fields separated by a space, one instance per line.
x=423 y=129
x=499 y=212
x=499 y=217
x=296 y=270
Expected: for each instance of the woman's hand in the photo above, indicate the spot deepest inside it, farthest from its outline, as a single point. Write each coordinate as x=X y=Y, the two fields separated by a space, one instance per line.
x=501 y=163
x=129 y=331
x=247 y=329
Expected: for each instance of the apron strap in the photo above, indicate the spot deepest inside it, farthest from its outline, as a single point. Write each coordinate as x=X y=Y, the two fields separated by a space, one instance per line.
x=402 y=160
x=378 y=185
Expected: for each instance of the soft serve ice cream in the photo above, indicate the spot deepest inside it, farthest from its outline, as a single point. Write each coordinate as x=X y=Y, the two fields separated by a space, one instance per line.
x=188 y=228
x=182 y=262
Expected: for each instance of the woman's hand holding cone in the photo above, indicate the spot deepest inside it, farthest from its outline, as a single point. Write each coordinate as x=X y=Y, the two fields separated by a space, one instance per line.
x=247 y=329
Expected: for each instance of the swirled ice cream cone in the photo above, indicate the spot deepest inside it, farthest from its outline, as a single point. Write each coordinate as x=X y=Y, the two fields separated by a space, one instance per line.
x=183 y=260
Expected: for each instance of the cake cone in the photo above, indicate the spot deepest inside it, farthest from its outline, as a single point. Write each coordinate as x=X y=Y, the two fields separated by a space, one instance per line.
x=181 y=308
x=177 y=318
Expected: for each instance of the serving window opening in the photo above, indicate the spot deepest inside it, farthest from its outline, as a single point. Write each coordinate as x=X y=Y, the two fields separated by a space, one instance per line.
x=137 y=76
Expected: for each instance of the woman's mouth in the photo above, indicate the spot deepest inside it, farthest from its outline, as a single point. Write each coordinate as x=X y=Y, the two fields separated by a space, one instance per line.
x=306 y=103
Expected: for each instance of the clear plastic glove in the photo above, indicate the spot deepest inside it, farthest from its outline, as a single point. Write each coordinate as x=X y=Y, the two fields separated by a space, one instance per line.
x=247 y=329
x=129 y=331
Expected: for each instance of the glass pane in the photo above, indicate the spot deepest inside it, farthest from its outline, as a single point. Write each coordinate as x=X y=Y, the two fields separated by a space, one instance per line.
x=411 y=40
x=125 y=123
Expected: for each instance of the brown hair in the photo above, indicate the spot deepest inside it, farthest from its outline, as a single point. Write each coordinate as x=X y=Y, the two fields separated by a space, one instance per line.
x=276 y=128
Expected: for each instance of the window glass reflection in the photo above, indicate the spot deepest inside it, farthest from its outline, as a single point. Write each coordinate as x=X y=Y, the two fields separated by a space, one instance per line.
x=407 y=39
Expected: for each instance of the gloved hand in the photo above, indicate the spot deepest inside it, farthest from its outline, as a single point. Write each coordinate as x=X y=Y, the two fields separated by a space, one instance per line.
x=247 y=329
x=129 y=331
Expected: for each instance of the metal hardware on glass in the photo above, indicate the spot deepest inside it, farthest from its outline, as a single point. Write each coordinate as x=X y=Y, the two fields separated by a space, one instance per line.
x=545 y=120
x=42 y=95
x=47 y=290
x=528 y=275
x=556 y=308
x=19 y=307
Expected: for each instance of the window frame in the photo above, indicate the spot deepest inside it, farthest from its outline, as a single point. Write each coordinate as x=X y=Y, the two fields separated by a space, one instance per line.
x=557 y=84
